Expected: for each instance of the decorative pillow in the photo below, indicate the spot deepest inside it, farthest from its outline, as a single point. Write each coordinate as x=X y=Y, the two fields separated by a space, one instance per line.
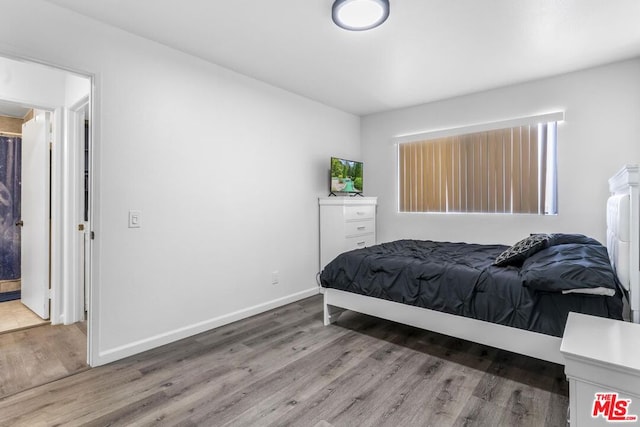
x=526 y=247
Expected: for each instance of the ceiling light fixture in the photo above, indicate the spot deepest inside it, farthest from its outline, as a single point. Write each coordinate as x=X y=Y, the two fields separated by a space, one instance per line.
x=359 y=15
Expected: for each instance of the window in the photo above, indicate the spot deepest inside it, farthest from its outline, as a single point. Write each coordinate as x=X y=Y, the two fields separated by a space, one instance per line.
x=500 y=170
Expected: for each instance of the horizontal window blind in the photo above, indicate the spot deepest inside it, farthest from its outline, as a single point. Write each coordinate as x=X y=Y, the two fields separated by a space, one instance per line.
x=508 y=170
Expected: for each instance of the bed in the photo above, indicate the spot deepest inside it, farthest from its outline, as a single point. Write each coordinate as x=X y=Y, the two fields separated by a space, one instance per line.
x=514 y=298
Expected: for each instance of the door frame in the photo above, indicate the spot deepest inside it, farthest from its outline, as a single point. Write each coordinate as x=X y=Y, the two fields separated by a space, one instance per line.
x=72 y=253
x=67 y=184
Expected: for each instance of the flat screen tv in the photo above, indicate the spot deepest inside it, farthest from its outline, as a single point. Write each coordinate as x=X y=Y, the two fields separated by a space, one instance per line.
x=346 y=176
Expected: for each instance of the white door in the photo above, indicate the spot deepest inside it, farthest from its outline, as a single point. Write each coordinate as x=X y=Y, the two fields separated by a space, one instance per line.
x=35 y=215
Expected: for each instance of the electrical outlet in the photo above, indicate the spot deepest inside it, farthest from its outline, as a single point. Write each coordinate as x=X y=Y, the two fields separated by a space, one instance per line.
x=275 y=277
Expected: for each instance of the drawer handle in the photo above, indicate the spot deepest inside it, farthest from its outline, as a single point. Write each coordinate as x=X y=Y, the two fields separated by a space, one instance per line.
x=360 y=243
x=362 y=227
x=360 y=213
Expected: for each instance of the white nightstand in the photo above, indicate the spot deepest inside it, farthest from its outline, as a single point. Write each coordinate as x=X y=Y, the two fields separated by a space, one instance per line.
x=602 y=357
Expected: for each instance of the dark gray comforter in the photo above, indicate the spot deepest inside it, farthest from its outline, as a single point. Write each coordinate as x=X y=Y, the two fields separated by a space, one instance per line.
x=460 y=278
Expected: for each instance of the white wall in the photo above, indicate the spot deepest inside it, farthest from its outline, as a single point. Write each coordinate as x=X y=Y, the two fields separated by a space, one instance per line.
x=76 y=89
x=37 y=85
x=31 y=84
x=601 y=132
x=226 y=171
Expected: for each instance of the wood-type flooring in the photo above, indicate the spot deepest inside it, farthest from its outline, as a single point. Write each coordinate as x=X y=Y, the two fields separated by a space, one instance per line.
x=14 y=315
x=284 y=368
x=39 y=355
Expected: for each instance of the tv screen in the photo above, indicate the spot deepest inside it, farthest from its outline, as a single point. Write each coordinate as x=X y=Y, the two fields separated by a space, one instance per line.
x=346 y=176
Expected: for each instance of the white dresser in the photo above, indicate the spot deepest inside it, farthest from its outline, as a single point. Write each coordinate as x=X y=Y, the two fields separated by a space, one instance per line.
x=346 y=223
x=602 y=363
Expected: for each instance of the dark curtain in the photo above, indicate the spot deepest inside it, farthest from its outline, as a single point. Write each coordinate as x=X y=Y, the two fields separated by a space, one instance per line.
x=10 y=173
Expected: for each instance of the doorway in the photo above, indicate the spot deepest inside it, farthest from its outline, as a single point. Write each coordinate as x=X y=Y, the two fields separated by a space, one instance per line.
x=11 y=119
x=18 y=124
x=54 y=274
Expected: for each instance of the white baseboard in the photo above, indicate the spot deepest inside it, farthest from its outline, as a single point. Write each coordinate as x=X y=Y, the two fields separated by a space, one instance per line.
x=111 y=355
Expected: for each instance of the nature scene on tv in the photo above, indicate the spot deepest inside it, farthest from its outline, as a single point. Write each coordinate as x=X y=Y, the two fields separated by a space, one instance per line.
x=346 y=176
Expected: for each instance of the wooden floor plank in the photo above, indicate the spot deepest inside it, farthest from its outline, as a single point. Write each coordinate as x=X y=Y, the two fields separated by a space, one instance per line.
x=478 y=412
x=35 y=356
x=14 y=315
x=284 y=367
x=192 y=395
x=310 y=382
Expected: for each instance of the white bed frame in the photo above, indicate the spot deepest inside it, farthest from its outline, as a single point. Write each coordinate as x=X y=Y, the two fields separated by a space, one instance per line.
x=623 y=233
x=520 y=341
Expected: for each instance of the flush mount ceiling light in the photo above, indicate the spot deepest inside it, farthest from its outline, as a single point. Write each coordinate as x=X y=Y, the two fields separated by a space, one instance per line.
x=359 y=15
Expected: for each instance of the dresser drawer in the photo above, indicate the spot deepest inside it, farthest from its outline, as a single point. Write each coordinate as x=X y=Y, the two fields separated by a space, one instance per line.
x=356 y=228
x=346 y=223
x=359 y=212
x=359 y=242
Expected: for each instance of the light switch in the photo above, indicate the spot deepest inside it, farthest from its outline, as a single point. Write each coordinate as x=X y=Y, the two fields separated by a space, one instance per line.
x=135 y=219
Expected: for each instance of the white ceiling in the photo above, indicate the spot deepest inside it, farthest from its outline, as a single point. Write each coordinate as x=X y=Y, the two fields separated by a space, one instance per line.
x=11 y=109
x=427 y=49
